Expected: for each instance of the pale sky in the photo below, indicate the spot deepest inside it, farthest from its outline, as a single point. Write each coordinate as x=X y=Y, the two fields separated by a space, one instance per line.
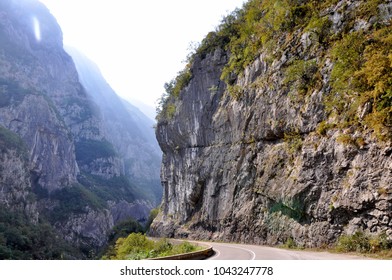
x=138 y=45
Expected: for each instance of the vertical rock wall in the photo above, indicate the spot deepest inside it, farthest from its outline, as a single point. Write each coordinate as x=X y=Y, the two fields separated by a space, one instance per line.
x=252 y=166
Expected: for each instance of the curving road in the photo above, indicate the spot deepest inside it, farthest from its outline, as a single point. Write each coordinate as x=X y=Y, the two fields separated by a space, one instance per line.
x=225 y=251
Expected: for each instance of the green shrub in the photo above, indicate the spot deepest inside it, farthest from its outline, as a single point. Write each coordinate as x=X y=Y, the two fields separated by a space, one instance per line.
x=320 y=26
x=170 y=111
x=153 y=214
x=136 y=246
x=166 y=107
x=359 y=242
x=125 y=228
x=184 y=247
x=368 y=9
x=363 y=243
x=290 y=244
x=301 y=76
x=347 y=57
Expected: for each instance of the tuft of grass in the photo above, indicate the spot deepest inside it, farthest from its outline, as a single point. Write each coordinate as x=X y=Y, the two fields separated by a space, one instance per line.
x=235 y=91
x=345 y=139
x=294 y=141
x=323 y=128
x=290 y=244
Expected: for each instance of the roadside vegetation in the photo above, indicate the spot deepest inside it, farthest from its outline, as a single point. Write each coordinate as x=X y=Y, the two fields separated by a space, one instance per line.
x=376 y=246
x=373 y=246
x=137 y=246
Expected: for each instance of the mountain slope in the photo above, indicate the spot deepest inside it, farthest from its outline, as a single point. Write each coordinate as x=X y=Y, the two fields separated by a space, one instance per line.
x=130 y=131
x=280 y=128
x=63 y=181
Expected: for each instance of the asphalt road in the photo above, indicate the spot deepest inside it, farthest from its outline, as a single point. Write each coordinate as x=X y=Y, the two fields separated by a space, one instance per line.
x=225 y=251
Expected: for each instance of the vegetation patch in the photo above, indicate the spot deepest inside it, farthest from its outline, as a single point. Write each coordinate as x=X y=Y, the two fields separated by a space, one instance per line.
x=12 y=141
x=362 y=74
x=166 y=104
x=363 y=243
x=302 y=76
x=153 y=214
x=323 y=128
x=319 y=27
x=125 y=228
x=74 y=200
x=89 y=150
x=259 y=25
x=293 y=141
x=369 y=8
x=345 y=139
x=290 y=244
x=235 y=91
x=11 y=93
x=115 y=188
x=22 y=240
x=137 y=246
x=362 y=63
x=295 y=211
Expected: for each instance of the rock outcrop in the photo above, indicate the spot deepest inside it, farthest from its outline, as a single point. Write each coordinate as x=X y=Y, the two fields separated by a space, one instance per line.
x=262 y=158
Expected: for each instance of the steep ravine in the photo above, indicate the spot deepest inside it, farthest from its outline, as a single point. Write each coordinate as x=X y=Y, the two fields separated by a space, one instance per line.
x=63 y=175
x=261 y=158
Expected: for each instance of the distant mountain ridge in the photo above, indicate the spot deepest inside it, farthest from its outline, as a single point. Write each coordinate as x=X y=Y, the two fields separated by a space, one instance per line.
x=130 y=131
x=148 y=110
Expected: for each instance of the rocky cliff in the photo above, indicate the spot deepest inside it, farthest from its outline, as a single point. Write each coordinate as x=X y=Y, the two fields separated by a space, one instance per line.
x=62 y=171
x=280 y=127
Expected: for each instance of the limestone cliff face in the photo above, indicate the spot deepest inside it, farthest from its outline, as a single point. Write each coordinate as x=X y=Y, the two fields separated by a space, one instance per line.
x=15 y=194
x=247 y=162
x=26 y=65
x=59 y=162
